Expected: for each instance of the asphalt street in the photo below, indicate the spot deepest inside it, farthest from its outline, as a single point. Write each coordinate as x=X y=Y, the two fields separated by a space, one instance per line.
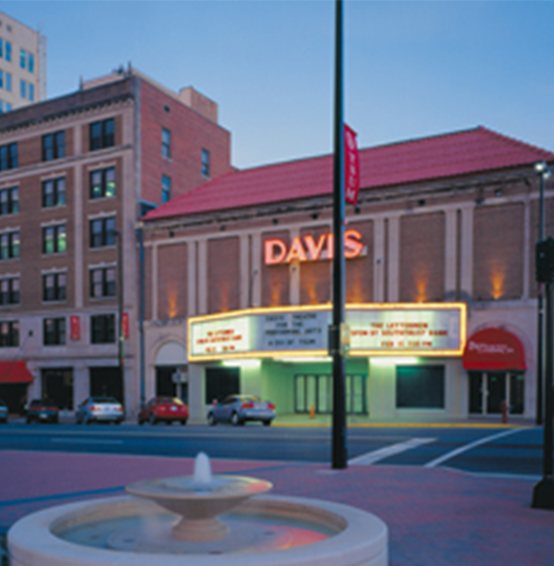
x=486 y=450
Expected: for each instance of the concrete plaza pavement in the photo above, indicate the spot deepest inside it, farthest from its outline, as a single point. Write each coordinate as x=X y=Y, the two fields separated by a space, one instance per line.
x=436 y=516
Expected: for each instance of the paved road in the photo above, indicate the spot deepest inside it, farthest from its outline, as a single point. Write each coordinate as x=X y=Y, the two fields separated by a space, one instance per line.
x=496 y=451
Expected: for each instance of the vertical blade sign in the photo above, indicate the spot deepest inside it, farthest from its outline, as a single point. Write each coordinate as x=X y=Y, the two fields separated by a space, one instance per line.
x=351 y=166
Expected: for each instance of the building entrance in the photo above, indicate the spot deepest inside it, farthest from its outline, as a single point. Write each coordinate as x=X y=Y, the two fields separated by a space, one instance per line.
x=488 y=389
x=106 y=382
x=317 y=391
x=57 y=384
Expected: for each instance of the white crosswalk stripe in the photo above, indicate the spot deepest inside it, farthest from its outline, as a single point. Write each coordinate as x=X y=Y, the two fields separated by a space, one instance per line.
x=387 y=451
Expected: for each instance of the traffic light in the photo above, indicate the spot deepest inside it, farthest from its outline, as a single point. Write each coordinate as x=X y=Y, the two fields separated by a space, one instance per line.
x=544 y=261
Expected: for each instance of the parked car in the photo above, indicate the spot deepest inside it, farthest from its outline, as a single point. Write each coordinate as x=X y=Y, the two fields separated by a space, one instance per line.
x=164 y=409
x=99 y=409
x=237 y=409
x=42 y=411
x=3 y=412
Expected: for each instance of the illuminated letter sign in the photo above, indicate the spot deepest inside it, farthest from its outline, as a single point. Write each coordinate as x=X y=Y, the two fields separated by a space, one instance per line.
x=306 y=248
x=351 y=166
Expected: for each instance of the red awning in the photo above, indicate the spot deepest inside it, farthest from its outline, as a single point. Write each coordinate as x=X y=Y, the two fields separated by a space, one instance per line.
x=494 y=349
x=15 y=372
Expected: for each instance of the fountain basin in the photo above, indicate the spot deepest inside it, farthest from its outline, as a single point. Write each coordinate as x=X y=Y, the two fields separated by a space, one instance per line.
x=268 y=530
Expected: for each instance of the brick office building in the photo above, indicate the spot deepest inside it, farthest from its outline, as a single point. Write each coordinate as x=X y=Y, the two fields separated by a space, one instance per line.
x=76 y=172
x=439 y=282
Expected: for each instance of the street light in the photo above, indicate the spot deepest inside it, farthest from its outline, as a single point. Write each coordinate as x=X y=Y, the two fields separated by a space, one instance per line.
x=543 y=171
x=120 y=334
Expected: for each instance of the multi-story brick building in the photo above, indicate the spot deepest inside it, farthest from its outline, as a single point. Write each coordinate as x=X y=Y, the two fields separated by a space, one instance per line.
x=22 y=64
x=439 y=279
x=76 y=172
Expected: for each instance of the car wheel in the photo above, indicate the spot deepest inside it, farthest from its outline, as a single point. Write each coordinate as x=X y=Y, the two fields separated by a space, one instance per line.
x=267 y=423
x=29 y=420
x=211 y=420
x=140 y=421
x=184 y=422
x=235 y=420
x=86 y=420
x=152 y=420
x=168 y=422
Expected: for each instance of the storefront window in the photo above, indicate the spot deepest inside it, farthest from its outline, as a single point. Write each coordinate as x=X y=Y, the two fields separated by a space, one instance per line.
x=420 y=387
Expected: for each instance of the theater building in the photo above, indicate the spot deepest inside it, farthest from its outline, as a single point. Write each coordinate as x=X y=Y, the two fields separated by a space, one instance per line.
x=440 y=287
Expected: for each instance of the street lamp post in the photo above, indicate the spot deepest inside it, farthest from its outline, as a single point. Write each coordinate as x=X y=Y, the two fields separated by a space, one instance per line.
x=120 y=332
x=544 y=172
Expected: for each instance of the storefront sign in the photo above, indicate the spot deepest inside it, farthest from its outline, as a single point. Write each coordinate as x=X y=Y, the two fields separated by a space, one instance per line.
x=494 y=349
x=376 y=330
x=307 y=248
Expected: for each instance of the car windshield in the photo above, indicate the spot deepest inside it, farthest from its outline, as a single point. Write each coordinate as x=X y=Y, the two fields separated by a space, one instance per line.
x=42 y=403
x=104 y=400
x=251 y=398
x=169 y=400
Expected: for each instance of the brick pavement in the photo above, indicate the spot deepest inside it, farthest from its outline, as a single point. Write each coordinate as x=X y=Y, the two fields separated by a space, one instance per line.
x=435 y=516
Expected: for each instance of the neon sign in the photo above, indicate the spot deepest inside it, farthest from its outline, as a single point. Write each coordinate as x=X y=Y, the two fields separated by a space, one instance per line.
x=306 y=248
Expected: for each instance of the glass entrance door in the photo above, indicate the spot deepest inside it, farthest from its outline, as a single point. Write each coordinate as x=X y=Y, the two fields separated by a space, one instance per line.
x=487 y=390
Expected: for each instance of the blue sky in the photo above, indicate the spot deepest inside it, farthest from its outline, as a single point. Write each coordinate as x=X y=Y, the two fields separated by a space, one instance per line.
x=412 y=68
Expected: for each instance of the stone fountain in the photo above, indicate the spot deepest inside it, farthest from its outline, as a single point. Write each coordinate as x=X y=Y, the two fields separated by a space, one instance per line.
x=199 y=520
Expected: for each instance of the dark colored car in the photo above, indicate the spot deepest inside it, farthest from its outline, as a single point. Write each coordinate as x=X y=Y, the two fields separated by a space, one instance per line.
x=99 y=409
x=164 y=409
x=42 y=411
x=3 y=412
x=237 y=409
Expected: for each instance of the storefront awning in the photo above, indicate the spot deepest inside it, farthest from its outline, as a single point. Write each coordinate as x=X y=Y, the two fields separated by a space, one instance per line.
x=494 y=349
x=14 y=372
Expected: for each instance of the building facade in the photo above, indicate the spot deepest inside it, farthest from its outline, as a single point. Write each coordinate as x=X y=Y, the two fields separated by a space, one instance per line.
x=22 y=64
x=440 y=287
x=76 y=172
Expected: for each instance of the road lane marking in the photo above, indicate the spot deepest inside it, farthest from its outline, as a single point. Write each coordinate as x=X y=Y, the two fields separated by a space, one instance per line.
x=85 y=441
x=387 y=451
x=434 y=463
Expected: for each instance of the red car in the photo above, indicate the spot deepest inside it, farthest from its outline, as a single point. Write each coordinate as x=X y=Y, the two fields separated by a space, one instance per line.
x=164 y=409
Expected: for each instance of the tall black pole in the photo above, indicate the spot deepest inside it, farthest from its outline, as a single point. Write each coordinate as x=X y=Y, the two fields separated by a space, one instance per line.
x=543 y=493
x=339 y=456
x=540 y=313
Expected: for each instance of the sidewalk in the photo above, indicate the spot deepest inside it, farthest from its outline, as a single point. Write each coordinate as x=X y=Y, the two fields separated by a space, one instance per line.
x=436 y=517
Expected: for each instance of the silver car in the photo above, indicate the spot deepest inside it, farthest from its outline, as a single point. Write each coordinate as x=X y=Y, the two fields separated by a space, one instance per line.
x=99 y=409
x=237 y=409
x=3 y=412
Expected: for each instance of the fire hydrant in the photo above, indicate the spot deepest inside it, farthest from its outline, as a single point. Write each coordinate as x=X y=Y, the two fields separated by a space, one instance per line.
x=504 y=411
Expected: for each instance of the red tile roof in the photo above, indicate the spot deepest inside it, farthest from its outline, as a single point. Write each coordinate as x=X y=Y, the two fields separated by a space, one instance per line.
x=455 y=154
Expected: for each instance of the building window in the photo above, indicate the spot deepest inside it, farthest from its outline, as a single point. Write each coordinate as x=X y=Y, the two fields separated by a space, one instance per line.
x=22 y=58
x=54 y=286
x=102 y=282
x=31 y=62
x=8 y=156
x=8 y=82
x=53 y=146
x=102 y=134
x=1 y=47
x=420 y=387
x=54 y=239
x=9 y=334
x=166 y=188
x=9 y=291
x=1 y=78
x=1 y=107
x=53 y=192
x=102 y=183
x=102 y=232
x=102 y=329
x=166 y=143
x=8 y=51
x=205 y=163
x=23 y=89
x=8 y=107
x=53 y=331
x=9 y=245
x=9 y=201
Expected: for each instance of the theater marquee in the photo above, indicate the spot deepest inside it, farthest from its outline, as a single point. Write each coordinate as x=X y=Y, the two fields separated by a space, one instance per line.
x=405 y=329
